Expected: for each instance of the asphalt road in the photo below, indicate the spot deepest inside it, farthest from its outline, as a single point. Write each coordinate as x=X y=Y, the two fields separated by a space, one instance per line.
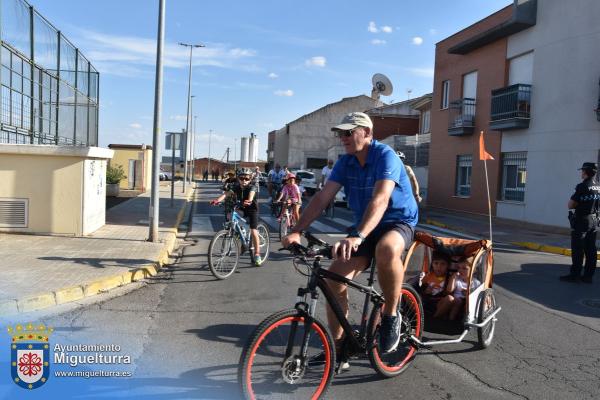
x=185 y=330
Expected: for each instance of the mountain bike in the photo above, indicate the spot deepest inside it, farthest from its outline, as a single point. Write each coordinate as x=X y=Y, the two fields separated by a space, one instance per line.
x=232 y=241
x=286 y=219
x=291 y=354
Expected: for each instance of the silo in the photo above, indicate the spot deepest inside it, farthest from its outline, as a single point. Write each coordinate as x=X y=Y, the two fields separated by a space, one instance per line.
x=253 y=148
x=244 y=149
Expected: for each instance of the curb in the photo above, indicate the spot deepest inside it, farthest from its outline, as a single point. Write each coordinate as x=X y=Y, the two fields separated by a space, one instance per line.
x=527 y=245
x=102 y=285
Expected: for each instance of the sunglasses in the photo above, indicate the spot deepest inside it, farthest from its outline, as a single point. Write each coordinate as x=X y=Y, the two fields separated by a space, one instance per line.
x=347 y=133
x=243 y=179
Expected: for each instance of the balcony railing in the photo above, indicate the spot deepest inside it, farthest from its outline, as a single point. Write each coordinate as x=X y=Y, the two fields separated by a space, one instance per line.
x=511 y=107
x=461 y=117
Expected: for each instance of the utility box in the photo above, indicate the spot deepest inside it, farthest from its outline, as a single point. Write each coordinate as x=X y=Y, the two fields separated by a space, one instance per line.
x=52 y=189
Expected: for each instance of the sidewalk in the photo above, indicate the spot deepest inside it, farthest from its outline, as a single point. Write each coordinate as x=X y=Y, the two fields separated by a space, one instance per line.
x=43 y=271
x=534 y=237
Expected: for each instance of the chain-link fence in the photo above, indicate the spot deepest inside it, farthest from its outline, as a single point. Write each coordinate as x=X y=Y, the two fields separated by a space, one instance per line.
x=49 y=90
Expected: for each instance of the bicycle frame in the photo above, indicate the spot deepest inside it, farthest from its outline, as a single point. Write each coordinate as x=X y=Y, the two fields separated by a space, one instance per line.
x=317 y=280
x=237 y=221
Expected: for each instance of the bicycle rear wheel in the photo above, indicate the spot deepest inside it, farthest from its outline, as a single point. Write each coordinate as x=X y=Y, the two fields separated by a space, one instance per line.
x=223 y=254
x=396 y=362
x=271 y=365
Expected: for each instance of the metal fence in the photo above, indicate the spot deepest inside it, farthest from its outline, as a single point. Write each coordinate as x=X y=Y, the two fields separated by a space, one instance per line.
x=49 y=90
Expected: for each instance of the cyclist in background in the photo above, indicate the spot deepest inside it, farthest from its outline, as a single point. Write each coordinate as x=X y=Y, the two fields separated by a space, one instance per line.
x=275 y=177
x=245 y=193
x=385 y=214
x=413 y=178
x=291 y=192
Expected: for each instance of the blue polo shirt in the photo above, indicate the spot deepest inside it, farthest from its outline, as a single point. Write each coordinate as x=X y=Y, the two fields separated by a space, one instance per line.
x=359 y=183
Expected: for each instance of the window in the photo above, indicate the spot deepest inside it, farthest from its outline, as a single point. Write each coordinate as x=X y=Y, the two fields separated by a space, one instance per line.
x=425 y=121
x=445 y=94
x=464 y=165
x=315 y=163
x=514 y=176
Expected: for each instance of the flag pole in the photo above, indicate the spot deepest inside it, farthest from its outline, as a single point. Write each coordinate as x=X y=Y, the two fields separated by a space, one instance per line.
x=487 y=185
x=484 y=156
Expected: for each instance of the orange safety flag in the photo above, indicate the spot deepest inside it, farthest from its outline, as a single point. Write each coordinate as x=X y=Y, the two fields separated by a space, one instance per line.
x=483 y=155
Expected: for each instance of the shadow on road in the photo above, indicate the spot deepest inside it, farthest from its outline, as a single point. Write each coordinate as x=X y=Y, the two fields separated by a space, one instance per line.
x=539 y=282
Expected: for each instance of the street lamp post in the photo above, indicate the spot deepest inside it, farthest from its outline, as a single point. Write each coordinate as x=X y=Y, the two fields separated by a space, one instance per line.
x=187 y=123
x=156 y=126
x=192 y=141
x=209 y=137
x=194 y=146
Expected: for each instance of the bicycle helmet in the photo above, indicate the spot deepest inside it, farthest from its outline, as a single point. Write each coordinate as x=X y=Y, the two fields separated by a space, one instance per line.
x=401 y=155
x=290 y=175
x=244 y=171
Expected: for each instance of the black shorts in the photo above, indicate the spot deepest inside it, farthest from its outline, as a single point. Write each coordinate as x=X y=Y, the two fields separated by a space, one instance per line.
x=367 y=247
x=251 y=215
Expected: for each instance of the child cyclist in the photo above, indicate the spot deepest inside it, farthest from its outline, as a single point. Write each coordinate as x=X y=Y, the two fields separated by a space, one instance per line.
x=291 y=193
x=245 y=193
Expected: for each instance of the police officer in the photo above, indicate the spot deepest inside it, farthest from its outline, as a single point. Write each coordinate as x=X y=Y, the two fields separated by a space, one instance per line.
x=585 y=201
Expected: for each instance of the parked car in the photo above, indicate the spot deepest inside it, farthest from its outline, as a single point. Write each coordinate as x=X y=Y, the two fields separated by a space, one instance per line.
x=164 y=176
x=308 y=180
x=340 y=198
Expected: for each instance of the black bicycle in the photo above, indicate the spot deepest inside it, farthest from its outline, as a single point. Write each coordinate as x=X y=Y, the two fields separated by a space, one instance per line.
x=291 y=354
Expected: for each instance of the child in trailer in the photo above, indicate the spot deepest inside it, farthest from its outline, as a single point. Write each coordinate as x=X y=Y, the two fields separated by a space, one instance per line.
x=453 y=304
x=291 y=193
x=434 y=282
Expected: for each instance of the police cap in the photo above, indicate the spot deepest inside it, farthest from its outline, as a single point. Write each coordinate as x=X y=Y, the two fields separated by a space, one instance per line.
x=589 y=165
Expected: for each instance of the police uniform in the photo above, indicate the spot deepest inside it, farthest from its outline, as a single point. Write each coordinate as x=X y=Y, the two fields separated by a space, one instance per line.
x=583 y=227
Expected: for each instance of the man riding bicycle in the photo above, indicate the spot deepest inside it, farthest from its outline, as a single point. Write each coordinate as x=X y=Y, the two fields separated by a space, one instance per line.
x=275 y=177
x=245 y=193
x=385 y=214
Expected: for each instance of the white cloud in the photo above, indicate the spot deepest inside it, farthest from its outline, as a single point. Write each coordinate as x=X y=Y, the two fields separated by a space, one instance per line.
x=273 y=75
x=284 y=93
x=178 y=117
x=417 y=40
x=136 y=56
x=426 y=72
x=432 y=31
x=318 y=61
x=386 y=29
x=372 y=27
x=135 y=125
x=378 y=42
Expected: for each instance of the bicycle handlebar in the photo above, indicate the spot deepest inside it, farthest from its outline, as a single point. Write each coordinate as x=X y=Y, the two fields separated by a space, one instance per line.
x=316 y=247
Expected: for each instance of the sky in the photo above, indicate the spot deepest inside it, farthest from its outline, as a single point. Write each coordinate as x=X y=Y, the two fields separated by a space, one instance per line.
x=265 y=63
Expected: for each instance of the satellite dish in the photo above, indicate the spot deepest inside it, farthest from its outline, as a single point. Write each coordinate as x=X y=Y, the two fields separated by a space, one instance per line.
x=381 y=86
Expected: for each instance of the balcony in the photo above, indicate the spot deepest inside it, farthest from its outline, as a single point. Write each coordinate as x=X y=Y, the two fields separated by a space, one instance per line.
x=461 y=117
x=511 y=107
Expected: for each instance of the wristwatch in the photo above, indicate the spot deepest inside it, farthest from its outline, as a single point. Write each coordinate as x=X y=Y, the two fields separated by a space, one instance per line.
x=356 y=233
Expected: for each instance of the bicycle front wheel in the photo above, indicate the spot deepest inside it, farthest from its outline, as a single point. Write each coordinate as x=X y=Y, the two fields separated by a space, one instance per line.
x=283 y=227
x=396 y=362
x=263 y=241
x=223 y=254
x=272 y=365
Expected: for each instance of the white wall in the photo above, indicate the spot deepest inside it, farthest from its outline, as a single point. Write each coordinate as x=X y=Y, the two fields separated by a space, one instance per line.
x=563 y=131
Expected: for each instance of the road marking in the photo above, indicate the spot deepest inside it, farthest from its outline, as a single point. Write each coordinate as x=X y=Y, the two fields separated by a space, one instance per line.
x=341 y=221
x=201 y=224
x=271 y=221
x=324 y=228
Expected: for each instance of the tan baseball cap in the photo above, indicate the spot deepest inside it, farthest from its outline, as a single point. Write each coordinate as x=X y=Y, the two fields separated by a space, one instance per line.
x=352 y=120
